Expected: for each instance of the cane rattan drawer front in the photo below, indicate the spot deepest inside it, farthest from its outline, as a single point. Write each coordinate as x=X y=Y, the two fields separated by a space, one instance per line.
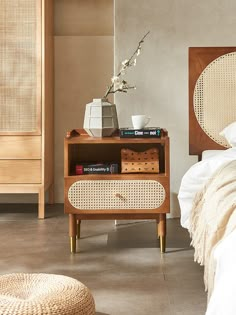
x=116 y=194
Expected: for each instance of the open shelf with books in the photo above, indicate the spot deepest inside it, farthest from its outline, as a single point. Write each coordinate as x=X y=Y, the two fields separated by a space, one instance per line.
x=97 y=193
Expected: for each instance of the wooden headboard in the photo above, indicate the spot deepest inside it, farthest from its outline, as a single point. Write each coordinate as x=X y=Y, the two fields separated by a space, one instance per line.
x=212 y=104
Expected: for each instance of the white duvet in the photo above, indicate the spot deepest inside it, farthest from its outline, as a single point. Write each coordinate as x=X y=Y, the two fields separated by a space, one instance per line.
x=195 y=178
x=222 y=301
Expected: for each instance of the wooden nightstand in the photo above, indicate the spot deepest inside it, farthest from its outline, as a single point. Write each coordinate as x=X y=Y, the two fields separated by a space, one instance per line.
x=114 y=196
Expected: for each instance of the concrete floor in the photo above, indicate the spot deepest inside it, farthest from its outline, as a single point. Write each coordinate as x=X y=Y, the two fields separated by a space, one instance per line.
x=122 y=266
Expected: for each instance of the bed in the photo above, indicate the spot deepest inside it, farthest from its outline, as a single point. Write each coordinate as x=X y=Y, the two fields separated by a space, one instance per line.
x=207 y=194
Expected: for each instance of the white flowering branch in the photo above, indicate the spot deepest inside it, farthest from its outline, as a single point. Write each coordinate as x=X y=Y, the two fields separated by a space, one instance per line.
x=118 y=85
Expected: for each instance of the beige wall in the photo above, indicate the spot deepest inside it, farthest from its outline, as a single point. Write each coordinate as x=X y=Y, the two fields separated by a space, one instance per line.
x=83 y=17
x=161 y=74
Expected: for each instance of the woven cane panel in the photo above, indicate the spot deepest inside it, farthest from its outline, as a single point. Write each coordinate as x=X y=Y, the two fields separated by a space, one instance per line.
x=116 y=194
x=18 y=65
x=215 y=96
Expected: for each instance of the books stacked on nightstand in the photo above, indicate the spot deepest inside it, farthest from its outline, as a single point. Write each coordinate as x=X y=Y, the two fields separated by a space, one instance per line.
x=148 y=132
x=96 y=168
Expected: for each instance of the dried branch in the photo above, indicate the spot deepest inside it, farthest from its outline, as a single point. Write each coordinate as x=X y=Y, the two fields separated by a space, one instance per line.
x=122 y=86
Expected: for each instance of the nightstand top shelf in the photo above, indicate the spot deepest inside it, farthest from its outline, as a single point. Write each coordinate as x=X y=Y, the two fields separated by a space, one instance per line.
x=80 y=136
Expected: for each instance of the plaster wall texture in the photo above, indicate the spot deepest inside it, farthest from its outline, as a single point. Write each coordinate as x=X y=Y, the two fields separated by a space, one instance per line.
x=161 y=73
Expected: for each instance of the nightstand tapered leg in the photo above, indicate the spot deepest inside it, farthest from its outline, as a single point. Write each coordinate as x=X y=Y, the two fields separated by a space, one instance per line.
x=72 y=232
x=163 y=244
x=162 y=231
x=78 y=225
x=73 y=244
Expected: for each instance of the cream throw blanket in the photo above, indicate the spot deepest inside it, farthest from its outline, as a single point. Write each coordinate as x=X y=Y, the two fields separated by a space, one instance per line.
x=213 y=218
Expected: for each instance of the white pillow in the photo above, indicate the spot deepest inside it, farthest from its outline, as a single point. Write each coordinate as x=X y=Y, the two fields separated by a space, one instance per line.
x=229 y=133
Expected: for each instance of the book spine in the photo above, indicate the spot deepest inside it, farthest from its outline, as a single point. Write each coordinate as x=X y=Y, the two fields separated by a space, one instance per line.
x=96 y=169
x=140 y=133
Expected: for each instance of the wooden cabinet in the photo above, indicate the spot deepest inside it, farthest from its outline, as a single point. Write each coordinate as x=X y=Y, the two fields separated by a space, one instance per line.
x=26 y=98
x=115 y=196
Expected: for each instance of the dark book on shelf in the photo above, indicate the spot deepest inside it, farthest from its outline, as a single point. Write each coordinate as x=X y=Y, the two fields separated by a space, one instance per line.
x=96 y=168
x=148 y=132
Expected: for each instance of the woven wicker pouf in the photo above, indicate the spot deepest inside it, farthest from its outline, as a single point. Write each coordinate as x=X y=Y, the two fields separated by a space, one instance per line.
x=44 y=294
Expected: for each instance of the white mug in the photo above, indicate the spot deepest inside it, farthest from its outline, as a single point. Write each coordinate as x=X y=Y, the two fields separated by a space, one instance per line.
x=140 y=121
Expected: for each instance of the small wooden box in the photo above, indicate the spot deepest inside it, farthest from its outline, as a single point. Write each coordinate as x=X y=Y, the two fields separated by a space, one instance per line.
x=140 y=162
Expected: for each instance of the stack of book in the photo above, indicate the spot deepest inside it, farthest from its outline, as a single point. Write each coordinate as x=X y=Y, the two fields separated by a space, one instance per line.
x=148 y=132
x=96 y=168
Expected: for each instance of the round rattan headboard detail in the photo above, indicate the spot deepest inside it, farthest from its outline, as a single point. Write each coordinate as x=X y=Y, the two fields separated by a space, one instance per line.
x=214 y=99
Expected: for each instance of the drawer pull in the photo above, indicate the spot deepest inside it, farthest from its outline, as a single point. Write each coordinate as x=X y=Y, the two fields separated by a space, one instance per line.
x=120 y=196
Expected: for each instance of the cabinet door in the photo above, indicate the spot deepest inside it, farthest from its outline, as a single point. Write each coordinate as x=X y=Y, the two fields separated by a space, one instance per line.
x=20 y=66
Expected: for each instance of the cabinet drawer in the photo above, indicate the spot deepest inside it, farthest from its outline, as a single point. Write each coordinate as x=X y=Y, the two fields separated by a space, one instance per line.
x=116 y=194
x=20 y=147
x=20 y=171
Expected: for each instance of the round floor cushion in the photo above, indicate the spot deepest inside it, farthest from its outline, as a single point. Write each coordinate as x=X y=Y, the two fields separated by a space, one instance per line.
x=44 y=294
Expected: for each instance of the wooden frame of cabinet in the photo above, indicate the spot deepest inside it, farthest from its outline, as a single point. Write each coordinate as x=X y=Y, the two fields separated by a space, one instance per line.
x=26 y=157
x=80 y=147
